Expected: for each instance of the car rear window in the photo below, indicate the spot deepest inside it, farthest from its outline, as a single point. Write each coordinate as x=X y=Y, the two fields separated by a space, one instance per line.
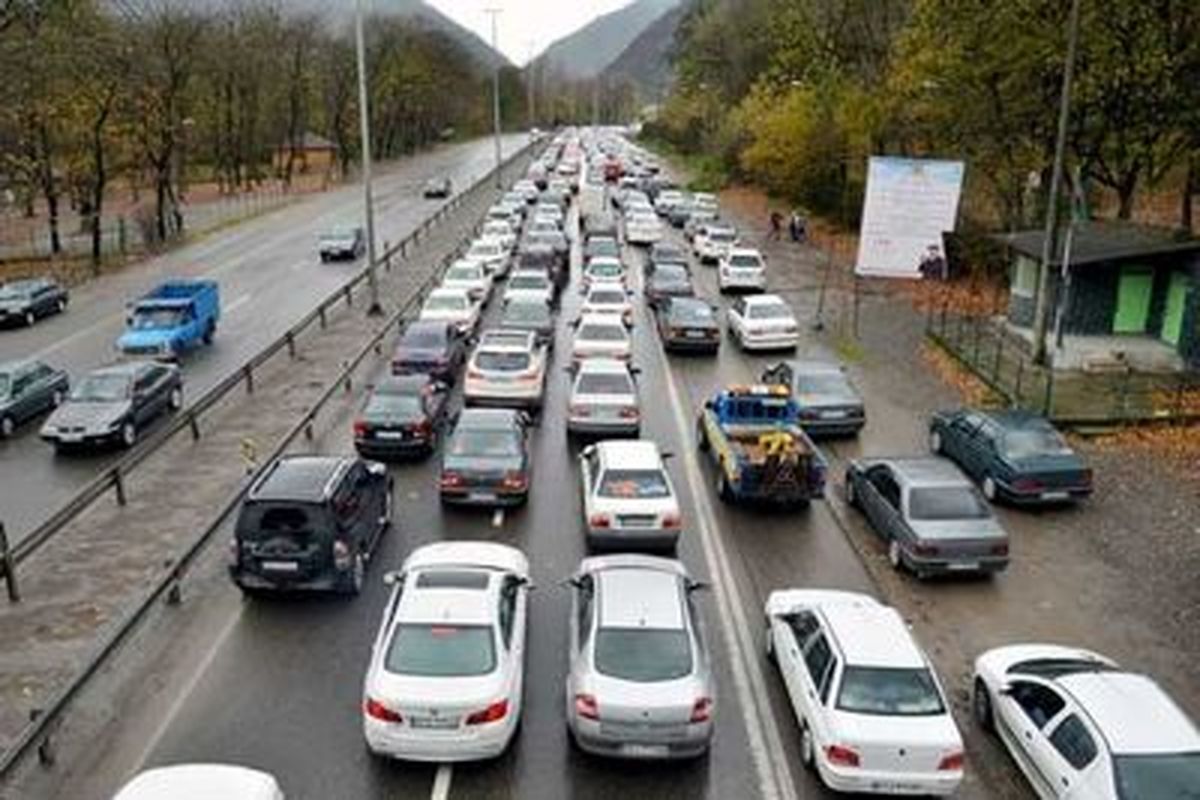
x=485 y=444
x=639 y=484
x=1034 y=442
x=1156 y=776
x=602 y=333
x=502 y=361
x=607 y=297
x=722 y=237
x=643 y=655
x=823 y=383
x=446 y=303
x=294 y=521
x=946 y=503
x=528 y=282
x=527 y=312
x=769 y=311
x=604 y=383
x=885 y=691
x=441 y=651
x=744 y=261
x=691 y=312
x=464 y=274
x=406 y=406
x=604 y=269
x=425 y=337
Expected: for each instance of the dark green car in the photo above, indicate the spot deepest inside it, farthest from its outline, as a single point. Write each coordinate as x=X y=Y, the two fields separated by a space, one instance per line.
x=28 y=389
x=1014 y=455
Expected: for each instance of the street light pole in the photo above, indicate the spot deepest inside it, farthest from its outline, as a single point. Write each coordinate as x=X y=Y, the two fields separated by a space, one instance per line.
x=1050 y=235
x=493 y=13
x=364 y=119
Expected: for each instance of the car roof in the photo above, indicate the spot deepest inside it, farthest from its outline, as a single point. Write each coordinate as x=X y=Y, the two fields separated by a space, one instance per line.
x=24 y=283
x=415 y=383
x=488 y=419
x=926 y=471
x=426 y=325
x=1132 y=711
x=629 y=454
x=200 y=782
x=611 y=320
x=604 y=365
x=449 y=603
x=871 y=635
x=19 y=365
x=445 y=291
x=126 y=368
x=745 y=251
x=596 y=260
x=638 y=597
x=817 y=367
x=306 y=479
x=1013 y=420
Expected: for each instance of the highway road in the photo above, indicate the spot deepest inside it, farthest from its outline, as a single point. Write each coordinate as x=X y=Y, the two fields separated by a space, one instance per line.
x=280 y=686
x=270 y=277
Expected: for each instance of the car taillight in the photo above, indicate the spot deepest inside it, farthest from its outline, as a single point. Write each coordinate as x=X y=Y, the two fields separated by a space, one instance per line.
x=578 y=410
x=622 y=356
x=1027 y=485
x=422 y=428
x=599 y=521
x=585 y=706
x=513 y=480
x=377 y=710
x=952 y=762
x=341 y=554
x=702 y=709
x=841 y=756
x=234 y=550
x=528 y=377
x=450 y=479
x=1000 y=549
x=789 y=328
x=360 y=428
x=925 y=550
x=629 y=412
x=672 y=521
x=493 y=713
x=474 y=373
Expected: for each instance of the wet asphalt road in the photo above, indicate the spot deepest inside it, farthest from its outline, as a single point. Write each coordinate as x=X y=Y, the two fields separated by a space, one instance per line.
x=252 y=262
x=283 y=687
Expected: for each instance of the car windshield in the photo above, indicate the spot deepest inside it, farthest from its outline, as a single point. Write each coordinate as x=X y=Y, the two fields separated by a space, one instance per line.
x=1034 y=442
x=5 y=384
x=446 y=303
x=485 y=444
x=671 y=275
x=637 y=484
x=743 y=261
x=769 y=311
x=407 y=406
x=605 y=269
x=156 y=318
x=667 y=254
x=502 y=360
x=14 y=292
x=643 y=655
x=602 y=248
x=606 y=297
x=604 y=383
x=1158 y=776
x=536 y=313
x=603 y=333
x=691 y=312
x=889 y=692
x=101 y=389
x=485 y=250
x=340 y=234
x=497 y=229
x=528 y=282
x=441 y=651
x=946 y=503
x=464 y=274
x=823 y=383
x=722 y=237
x=424 y=338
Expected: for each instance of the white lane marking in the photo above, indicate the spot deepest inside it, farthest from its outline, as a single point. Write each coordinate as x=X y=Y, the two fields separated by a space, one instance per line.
x=498 y=518
x=238 y=303
x=771 y=760
x=192 y=682
x=441 y=782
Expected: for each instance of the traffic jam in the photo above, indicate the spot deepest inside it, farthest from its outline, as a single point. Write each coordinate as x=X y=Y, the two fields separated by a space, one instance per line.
x=594 y=259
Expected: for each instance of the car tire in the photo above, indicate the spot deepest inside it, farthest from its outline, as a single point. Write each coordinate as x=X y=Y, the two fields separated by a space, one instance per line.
x=981 y=706
x=851 y=493
x=175 y=399
x=128 y=434
x=769 y=644
x=353 y=582
x=724 y=490
x=702 y=443
x=807 y=747
x=60 y=306
x=7 y=426
x=209 y=333
x=990 y=490
x=935 y=442
x=895 y=557
x=30 y=318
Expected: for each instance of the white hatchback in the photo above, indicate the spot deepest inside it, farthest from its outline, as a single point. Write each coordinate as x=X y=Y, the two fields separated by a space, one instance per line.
x=604 y=400
x=628 y=498
x=762 y=322
x=643 y=228
x=744 y=268
x=872 y=713
x=601 y=336
x=454 y=306
x=446 y=674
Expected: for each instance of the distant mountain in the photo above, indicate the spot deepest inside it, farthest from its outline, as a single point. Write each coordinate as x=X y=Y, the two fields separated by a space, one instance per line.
x=646 y=62
x=586 y=52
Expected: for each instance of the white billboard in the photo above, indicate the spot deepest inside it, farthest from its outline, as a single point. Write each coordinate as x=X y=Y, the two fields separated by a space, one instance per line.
x=909 y=204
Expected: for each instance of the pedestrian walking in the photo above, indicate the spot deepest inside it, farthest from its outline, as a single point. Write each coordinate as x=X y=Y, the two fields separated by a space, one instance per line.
x=776 y=226
x=798 y=227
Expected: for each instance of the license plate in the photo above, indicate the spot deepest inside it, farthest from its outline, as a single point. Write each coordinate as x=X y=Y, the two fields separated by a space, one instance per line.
x=644 y=750
x=695 y=334
x=391 y=435
x=482 y=497
x=280 y=566
x=434 y=723
x=963 y=566
x=833 y=415
x=893 y=786
x=1055 y=495
x=70 y=438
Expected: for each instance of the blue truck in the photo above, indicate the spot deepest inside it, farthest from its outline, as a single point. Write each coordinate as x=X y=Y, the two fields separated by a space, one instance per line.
x=170 y=319
x=753 y=434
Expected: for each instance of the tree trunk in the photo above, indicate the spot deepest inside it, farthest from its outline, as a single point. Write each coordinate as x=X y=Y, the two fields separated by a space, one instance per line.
x=1125 y=195
x=160 y=203
x=99 y=180
x=49 y=188
x=1189 y=189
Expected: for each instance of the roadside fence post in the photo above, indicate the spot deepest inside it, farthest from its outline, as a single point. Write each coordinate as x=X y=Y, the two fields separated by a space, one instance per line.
x=194 y=425
x=387 y=256
x=321 y=315
x=1125 y=381
x=1048 y=401
x=121 y=235
x=249 y=373
x=290 y=338
x=1179 y=395
x=9 y=566
x=978 y=333
x=119 y=485
x=1017 y=388
x=996 y=364
x=349 y=295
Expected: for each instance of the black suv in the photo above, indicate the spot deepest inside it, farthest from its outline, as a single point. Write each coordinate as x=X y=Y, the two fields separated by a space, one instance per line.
x=311 y=522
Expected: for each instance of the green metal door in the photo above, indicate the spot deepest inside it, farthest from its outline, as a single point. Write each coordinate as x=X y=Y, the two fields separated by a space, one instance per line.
x=1172 y=327
x=1133 y=301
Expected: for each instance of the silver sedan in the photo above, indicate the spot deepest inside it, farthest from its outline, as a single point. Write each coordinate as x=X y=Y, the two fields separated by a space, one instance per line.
x=640 y=684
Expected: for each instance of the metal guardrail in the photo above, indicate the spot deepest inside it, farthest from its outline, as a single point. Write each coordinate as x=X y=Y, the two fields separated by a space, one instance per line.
x=113 y=477
x=38 y=733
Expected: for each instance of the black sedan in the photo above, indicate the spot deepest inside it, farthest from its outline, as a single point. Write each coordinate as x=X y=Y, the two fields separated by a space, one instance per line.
x=486 y=460
x=403 y=416
x=1014 y=455
x=342 y=244
x=113 y=404
x=27 y=390
x=668 y=280
x=688 y=324
x=431 y=348
x=26 y=301
x=830 y=404
x=437 y=188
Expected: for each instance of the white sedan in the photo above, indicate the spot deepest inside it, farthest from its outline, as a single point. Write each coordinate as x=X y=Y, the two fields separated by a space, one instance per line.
x=603 y=269
x=872 y=714
x=643 y=228
x=606 y=298
x=447 y=668
x=471 y=276
x=492 y=254
x=604 y=400
x=628 y=498
x=714 y=242
x=509 y=373
x=601 y=336
x=197 y=781
x=454 y=306
x=1079 y=726
x=501 y=231
x=530 y=284
x=762 y=322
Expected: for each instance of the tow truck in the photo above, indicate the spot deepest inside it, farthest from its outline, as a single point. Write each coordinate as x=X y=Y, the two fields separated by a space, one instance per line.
x=753 y=434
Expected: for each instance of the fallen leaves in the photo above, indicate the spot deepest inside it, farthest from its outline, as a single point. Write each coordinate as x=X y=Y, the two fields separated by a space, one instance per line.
x=1178 y=445
x=973 y=391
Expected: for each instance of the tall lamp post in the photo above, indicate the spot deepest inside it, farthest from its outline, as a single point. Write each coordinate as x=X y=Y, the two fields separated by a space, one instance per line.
x=364 y=119
x=493 y=13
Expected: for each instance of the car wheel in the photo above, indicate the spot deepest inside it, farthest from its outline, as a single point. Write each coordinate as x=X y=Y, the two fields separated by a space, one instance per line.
x=851 y=494
x=807 y=748
x=981 y=706
x=989 y=488
x=30 y=318
x=724 y=490
x=894 y=556
x=769 y=644
x=702 y=442
x=175 y=400
x=56 y=398
x=7 y=426
x=209 y=332
x=129 y=434
x=358 y=573
x=61 y=305
x=935 y=442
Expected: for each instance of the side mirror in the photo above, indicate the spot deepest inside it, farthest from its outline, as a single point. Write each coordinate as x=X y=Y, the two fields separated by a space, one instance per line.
x=1005 y=690
x=376 y=469
x=587 y=451
x=391 y=578
x=635 y=371
x=574 y=581
x=667 y=455
x=527 y=583
x=708 y=403
x=697 y=586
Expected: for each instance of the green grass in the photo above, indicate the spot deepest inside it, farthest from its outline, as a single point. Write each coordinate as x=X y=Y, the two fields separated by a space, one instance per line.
x=707 y=173
x=849 y=350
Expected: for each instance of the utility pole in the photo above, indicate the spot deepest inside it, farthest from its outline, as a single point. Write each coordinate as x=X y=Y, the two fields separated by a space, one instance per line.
x=1050 y=235
x=364 y=119
x=530 y=93
x=494 y=13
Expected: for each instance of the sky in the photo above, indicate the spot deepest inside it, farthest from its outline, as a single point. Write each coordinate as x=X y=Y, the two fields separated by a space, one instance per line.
x=523 y=24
